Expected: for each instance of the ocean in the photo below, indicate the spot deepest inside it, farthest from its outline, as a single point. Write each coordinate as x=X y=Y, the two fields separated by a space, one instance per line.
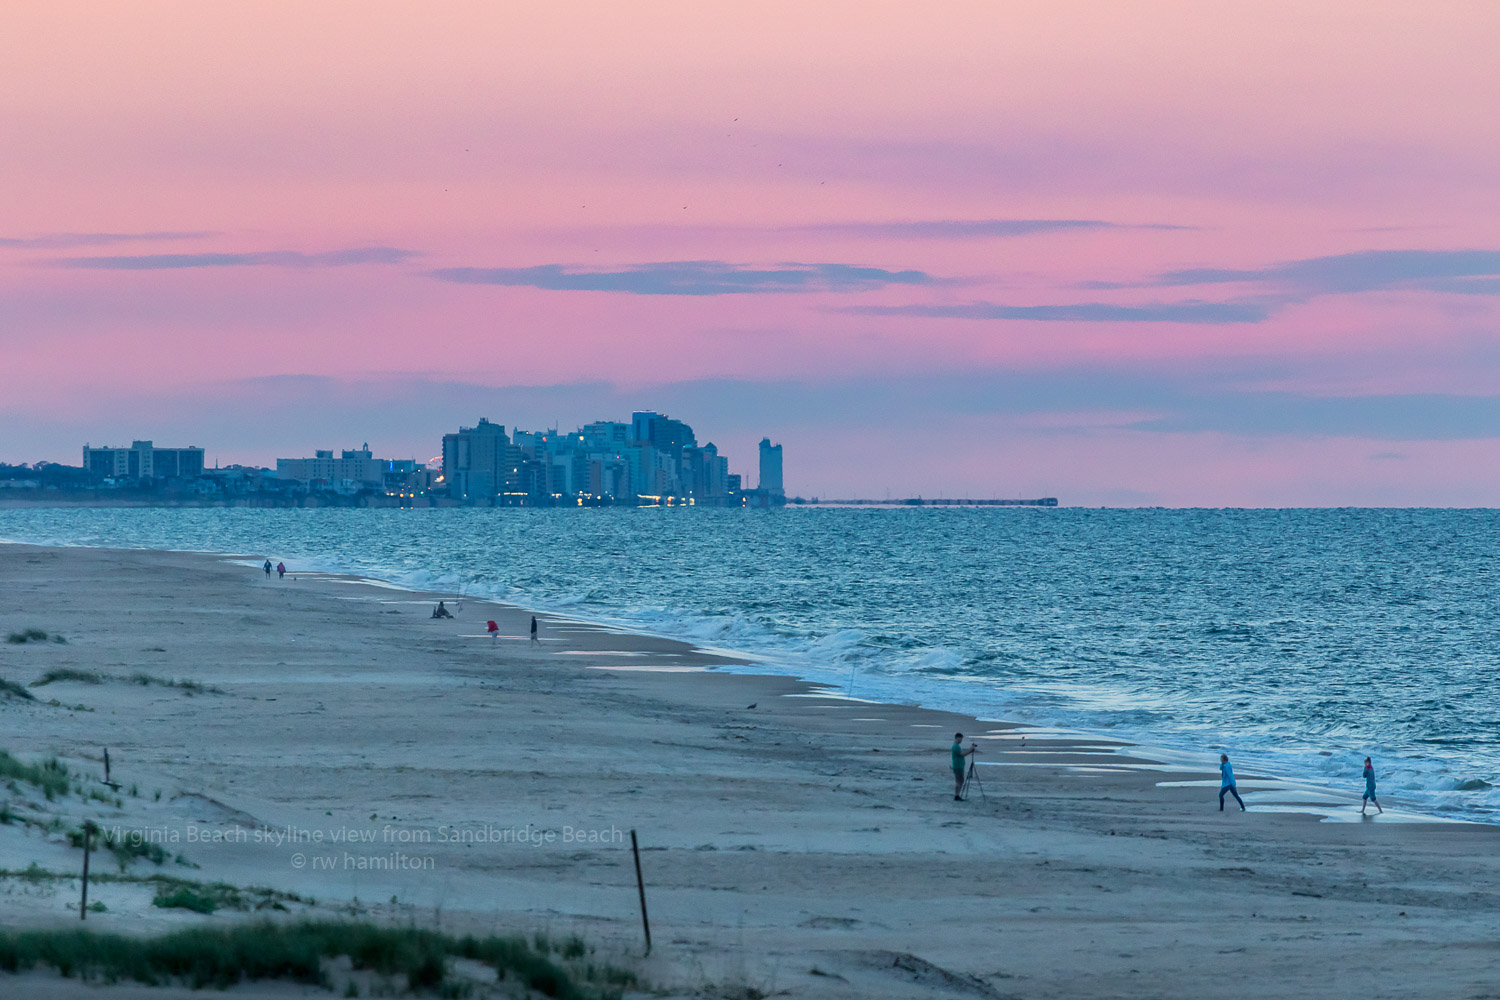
x=1300 y=641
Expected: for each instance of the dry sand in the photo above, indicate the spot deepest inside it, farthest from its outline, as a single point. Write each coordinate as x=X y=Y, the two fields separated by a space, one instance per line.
x=795 y=843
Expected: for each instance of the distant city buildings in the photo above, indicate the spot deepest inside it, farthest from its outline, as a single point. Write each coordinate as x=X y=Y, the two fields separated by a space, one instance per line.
x=770 y=469
x=653 y=459
x=352 y=472
x=143 y=460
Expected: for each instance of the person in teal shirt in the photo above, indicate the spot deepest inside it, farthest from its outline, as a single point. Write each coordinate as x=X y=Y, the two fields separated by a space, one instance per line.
x=1226 y=786
x=1369 y=795
x=959 y=753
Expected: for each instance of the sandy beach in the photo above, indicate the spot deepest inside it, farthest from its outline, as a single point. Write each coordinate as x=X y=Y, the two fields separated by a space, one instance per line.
x=338 y=746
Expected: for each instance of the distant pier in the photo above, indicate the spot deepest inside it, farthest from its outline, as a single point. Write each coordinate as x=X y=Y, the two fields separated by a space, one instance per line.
x=923 y=502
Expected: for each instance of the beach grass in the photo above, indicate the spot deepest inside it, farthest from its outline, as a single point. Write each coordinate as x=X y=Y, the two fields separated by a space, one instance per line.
x=177 y=893
x=11 y=689
x=51 y=776
x=32 y=635
x=126 y=846
x=300 y=952
x=69 y=674
x=139 y=677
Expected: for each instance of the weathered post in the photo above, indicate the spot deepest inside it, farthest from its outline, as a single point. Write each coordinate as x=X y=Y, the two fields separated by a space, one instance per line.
x=83 y=901
x=640 y=884
x=106 y=765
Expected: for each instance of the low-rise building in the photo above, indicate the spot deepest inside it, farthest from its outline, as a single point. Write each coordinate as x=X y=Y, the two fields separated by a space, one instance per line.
x=143 y=460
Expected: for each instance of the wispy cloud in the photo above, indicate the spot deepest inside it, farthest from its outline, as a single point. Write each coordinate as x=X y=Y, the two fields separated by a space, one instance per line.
x=689 y=277
x=1470 y=271
x=66 y=241
x=960 y=229
x=1190 y=311
x=269 y=258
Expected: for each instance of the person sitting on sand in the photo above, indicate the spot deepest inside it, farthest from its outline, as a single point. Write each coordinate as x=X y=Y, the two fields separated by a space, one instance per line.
x=441 y=611
x=959 y=753
x=1226 y=773
x=1369 y=795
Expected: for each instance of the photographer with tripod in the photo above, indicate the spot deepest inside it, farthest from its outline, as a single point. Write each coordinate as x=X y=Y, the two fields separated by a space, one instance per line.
x=959 y=753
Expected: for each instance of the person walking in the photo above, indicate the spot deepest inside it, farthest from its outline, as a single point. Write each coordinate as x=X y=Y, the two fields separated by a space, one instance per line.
x=533 y=628
x=494 y=629
x=1369 y=795
x=1226 y=785
x=268 y=568
x=280 y=571
x=959 y=753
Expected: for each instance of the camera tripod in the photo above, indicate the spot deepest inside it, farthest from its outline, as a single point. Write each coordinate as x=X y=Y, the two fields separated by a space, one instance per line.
x=972 y=778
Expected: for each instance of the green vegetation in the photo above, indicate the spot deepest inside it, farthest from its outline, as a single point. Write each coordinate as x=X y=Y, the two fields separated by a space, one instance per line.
x=69 y=674
x=125 y=845
x=51 y=776
x=207 y=897
x=219 y=895
x=32 y=635
x=185 y=899
x=13 y=690
x=139 y=677
x=191 y=687
x=224 y=956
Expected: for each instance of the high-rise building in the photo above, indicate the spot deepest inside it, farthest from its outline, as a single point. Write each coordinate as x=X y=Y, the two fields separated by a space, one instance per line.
x=770 y=469
x=651 y=459
x=480 y=462
x=143 y=460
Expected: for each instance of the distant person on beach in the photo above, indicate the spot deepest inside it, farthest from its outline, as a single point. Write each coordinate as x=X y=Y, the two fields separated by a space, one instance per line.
x=280 y=570
x=494 y=629
x=959 y=753
x=1226 y=785
x=268 y=567
x=441 y=611
x=1369 y=795
x=533 y=628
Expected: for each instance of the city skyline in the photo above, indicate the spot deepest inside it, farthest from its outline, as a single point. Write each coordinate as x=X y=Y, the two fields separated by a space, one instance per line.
x=1168 y=253
x=652 y=459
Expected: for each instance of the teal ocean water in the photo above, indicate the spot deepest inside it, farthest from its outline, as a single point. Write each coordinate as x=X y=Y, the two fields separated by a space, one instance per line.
x=1298 y=640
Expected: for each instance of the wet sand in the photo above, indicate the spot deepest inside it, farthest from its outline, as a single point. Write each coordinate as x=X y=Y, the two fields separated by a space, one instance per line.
x=369 y=759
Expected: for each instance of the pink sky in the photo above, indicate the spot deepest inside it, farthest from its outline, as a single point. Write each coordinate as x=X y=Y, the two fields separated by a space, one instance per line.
x=817 y=221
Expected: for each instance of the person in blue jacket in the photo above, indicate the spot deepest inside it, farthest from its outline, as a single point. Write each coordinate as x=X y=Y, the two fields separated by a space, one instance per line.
x=1226 y=786
x=1369 y=795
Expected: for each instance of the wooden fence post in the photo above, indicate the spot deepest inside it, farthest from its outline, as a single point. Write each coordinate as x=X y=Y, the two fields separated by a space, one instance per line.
x=640 y=884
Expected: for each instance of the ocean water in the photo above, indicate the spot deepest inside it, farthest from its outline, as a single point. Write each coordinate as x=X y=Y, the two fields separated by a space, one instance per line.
x=1297 y=640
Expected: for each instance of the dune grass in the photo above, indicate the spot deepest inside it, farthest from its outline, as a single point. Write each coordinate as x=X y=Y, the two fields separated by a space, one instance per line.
x=51 y=776
x=32 y=635
x=69 y=674
x=191 y=687
x=139 y=677
x=11 y=689
x=224 y=956
x=173 y=892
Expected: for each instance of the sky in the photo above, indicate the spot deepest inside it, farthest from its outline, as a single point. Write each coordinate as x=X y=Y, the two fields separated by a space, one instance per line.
x=1186 y=254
